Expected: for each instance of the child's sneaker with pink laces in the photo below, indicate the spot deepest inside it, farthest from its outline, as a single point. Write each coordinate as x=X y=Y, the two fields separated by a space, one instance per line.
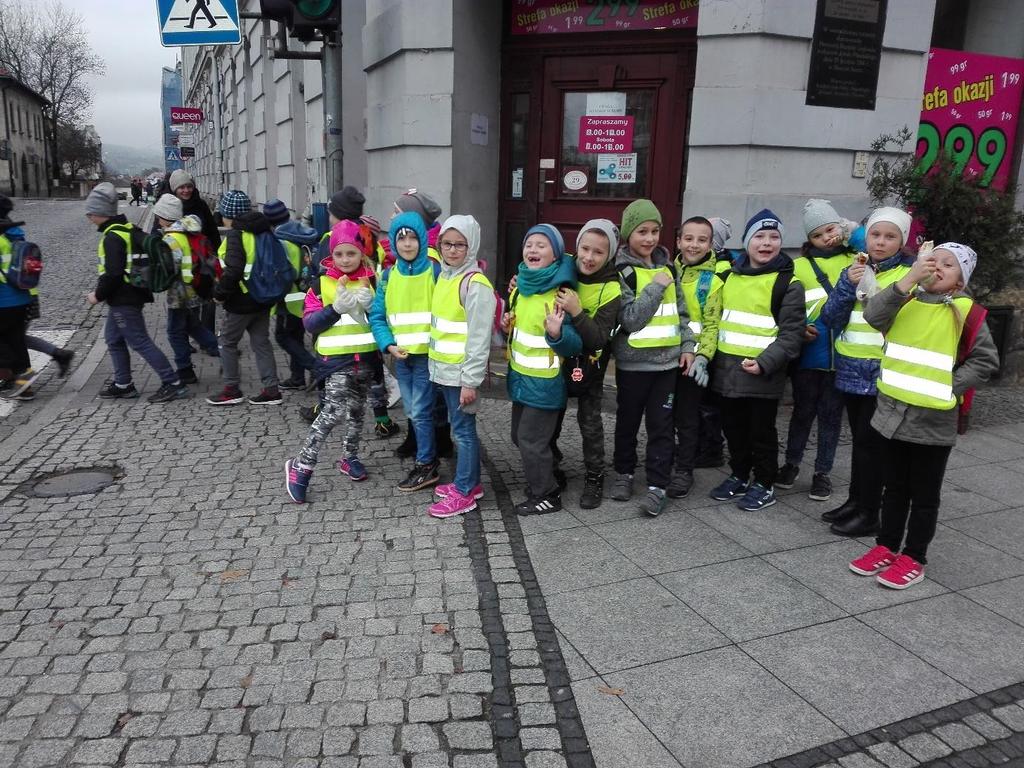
x=352 y=467
x=446 y=489
x=873 y=561
x=904 y=572
x=451 y=505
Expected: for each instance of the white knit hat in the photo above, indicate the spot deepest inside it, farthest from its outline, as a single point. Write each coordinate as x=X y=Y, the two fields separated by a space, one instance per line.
x=168 y=207
x=891 y=215
x=965 y=255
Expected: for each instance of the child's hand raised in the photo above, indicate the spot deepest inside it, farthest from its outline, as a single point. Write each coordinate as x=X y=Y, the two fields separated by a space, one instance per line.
x=569 y=300
x=553 y=319
x=751 y=366
x=664 y=279
x=922 y=270
x=507 y=321
x=855 y=272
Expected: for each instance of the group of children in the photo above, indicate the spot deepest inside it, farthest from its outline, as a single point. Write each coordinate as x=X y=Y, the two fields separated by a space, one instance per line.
x=699 y=337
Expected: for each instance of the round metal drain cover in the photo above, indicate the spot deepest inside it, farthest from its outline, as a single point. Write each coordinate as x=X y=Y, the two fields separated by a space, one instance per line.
x=74 y=482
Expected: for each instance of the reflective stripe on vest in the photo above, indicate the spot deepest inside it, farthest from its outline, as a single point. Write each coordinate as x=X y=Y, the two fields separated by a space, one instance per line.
x=747 y=327
x=449 y=327
x=6 y=253
x=662 y=330
x=124 y=231
x=347 y=336
x=249 y=246
x=693 y=307
x=294 y=300
x=529 y=352
x=407 y=300
x=920 y=352
x=181 y=243
x=859 y=340
x=814 y=294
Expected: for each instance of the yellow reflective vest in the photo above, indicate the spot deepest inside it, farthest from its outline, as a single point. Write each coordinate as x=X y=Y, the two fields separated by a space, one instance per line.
x=920 y=352
x=529 y=352
x=407 y=304
x=449 y=327
x=347 y=336
x=747 y=327
x=295 y=299
x=662 y=330
x=815 y=295
x=249 y=246
x=858 y=339
x=124 y=231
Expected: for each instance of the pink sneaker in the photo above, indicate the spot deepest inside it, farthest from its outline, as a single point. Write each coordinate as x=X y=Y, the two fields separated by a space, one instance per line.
x=445 y=489
x=904 y=572
x=873 y=561
x=451 y=505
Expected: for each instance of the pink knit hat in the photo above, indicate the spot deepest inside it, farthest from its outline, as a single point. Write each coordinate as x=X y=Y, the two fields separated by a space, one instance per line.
x=346 y=231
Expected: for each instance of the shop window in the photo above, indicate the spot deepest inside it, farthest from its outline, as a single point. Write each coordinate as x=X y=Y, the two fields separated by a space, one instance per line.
x=620 y=147
x=950 y=26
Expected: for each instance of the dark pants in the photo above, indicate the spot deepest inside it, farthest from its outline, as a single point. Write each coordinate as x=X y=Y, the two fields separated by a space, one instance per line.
x=182 y=323
x=913 y=480
x=208 y=315
x=866 y=482
x=13 y=352
x=815 y=395
x=749 y=424
x=532 y=429
x=687 y=415
x=126 y=328
x=646 y=396
x=710 y=443
x=233 y=327
x=290 y=336
x=588 y=416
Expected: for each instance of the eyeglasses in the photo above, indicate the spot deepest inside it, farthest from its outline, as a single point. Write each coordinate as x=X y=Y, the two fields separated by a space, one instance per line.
x=454 y=247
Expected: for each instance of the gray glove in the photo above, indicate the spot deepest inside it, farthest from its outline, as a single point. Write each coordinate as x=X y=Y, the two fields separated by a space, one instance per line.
x=344 y=300
x=364 y=297
x=699 y=371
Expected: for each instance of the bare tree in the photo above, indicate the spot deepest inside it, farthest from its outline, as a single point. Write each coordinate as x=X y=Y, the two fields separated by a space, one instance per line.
x=49 y=52
x=80 y=151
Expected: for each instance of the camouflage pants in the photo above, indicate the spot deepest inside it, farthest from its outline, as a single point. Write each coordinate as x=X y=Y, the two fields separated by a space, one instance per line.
x=345 y=395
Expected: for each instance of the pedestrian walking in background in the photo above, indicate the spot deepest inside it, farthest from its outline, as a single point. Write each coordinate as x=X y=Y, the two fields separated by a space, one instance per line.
x=760 y=333
x=126 y=326
x=336 y=312
x=182 y=301
x=462 y=319
x=242 y=314
x=653 y=346
x=937 y=347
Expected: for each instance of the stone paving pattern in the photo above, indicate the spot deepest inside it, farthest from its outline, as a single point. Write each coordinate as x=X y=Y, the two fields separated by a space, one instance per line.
x=191 y=615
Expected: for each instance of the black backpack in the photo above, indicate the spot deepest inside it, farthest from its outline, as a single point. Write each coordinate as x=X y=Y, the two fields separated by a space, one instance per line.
x=151 y=264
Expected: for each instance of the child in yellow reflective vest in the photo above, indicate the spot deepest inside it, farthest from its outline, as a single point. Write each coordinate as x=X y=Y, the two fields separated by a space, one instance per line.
x=937 y=348
x=335 y=313
x=540 y=333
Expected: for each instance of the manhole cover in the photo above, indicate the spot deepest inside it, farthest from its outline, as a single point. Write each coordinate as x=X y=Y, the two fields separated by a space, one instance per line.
x=73 y=482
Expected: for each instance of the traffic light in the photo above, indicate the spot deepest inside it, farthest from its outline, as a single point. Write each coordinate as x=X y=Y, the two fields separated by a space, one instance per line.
x=304 y=18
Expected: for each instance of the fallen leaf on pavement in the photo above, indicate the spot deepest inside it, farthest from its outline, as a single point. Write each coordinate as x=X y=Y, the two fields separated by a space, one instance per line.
x=232 y=575
x=246 y=681
x=610 y=691
x=439 y=629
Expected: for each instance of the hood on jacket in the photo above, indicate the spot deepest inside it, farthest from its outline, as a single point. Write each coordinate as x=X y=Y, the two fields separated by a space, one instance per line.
x=780 y=263
x=659 y=257
x=362 y=272
x=297 y=232
x=253 y=221
x=188 y=224
x=12 y=230
x=413 y=221
x=533 y=281
x=469 y=228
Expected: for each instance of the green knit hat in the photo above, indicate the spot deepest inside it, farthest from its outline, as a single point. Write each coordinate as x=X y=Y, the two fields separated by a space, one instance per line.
x=637 y=213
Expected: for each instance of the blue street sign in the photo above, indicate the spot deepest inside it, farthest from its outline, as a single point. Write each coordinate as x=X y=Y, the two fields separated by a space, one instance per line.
x=172 y=154
x=198 y=22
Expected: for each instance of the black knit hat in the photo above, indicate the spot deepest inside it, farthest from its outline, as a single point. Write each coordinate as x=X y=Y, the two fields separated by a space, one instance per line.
x=347 y=204
x=6 y=206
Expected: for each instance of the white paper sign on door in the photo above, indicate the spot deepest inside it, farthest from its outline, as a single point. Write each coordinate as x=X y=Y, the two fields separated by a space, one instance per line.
x=606 y=103
x=616 y=169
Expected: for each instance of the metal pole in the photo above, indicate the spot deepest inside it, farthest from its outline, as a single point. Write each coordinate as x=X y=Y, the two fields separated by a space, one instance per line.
x=333 y=150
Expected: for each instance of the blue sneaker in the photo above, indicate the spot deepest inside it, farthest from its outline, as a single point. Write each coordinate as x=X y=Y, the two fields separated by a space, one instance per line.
x=756 y=498
x=729 y=488
x=352 y=467
x=296 y=480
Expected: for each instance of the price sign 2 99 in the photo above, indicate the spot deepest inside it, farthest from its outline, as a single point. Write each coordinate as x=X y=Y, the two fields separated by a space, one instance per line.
x=987 y=151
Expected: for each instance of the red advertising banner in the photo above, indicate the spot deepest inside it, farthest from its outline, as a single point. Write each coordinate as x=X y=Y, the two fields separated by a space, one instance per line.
x=546 y=17
x=606 y=134
x=970 y=110
x=186 y=115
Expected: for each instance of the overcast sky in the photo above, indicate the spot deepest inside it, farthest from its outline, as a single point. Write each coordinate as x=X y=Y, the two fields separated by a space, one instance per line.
x=126 y=100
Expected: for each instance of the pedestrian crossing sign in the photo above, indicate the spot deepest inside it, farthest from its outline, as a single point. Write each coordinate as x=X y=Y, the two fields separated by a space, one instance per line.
x=198 y=22
x=172 y=154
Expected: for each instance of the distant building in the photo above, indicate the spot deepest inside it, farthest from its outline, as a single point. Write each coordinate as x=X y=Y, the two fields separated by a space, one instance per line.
x=23 y=155
x=170 y=96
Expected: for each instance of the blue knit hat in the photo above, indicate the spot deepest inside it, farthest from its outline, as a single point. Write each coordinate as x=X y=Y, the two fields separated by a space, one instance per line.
x=553 y=235
x=763 y=219
x=234 y=203
x=276 y=212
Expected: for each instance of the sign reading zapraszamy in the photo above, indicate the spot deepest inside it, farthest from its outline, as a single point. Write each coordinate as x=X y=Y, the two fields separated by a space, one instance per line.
x=845 y=53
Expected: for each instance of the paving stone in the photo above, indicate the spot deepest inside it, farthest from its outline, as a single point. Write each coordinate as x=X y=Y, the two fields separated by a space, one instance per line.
x=958 y=736
x=99 y=751
x=150 y=751
x=338 y=741
x=377 y=740
x=475 y=761
x=545 y=760
x=540 y=738
x=418 y=738
x=465 y=735
x=429 y=709
x=892 y=756
x=986 y=726
x=430 y=760
x=1011 y=715
x=195 y=749
x=924 y=747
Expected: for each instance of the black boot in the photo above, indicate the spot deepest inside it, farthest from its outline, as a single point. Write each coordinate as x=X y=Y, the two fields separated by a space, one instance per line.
x=408 y=447
x=593 y=490
x=858 y=524
x=443 y=445
x=841 y=512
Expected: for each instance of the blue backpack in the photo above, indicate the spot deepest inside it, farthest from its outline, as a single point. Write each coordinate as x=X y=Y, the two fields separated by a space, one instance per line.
x=272 y=274
x=26 y=265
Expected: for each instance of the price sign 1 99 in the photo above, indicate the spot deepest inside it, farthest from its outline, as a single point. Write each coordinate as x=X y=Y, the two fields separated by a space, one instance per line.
x=961 y=146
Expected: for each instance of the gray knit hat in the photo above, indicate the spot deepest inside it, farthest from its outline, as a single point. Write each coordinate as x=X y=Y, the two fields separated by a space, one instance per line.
x=818 y=213
x=421 y=203
x=168 y=207
x=180 y=178
x=234 y=203
x=606 y=228
x=102 y=201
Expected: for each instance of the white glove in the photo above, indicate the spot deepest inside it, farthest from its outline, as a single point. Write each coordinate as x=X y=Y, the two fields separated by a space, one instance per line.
x=699 y=371
x=344 y=300
x=364 y=297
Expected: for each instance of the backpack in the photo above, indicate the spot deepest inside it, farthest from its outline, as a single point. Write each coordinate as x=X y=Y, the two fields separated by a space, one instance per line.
x=272 y=275
x=26 y=265
x=206 y=267
x=497 y=337
x=972 y=324
x=152 y=263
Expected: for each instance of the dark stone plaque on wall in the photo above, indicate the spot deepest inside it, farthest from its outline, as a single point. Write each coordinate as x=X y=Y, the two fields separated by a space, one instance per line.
x=845 y=53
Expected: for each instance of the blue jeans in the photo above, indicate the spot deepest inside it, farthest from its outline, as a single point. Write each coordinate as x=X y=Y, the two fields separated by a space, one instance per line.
x=126 y=327
x=184 y=322
x=467 y=444
x=418 y=403
x=290 y=336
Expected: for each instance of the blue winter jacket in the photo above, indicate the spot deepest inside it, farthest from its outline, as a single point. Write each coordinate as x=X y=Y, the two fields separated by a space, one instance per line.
x=549 y=394
x=378 y=314
x=9 y=295
x=818 y=354
x=854 y=376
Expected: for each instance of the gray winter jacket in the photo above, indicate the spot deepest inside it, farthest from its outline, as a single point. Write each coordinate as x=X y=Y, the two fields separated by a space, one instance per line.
x=637 y=311
x=480 y=317
x=897 y=420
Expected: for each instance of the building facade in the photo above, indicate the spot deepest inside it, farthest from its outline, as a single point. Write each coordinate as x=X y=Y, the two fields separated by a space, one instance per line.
x=23 y=149
x=174 y=138
x=520 y=111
